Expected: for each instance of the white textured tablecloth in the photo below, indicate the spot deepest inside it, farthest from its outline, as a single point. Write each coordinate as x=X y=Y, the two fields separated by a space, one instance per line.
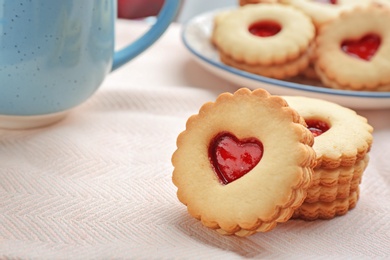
x=98 y=185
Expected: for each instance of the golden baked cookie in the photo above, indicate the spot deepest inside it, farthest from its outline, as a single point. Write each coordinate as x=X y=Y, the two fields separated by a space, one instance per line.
x=342 y=136
x=353 y=51
x=254 y=37
x=243 y=163
x=342 y=142
x=326 y=210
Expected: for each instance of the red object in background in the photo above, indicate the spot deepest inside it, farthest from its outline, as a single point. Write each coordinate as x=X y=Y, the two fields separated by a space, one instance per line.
x=133 y=9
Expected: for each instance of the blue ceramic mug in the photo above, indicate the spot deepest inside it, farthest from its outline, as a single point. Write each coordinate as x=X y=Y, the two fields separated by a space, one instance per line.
x=54 y=54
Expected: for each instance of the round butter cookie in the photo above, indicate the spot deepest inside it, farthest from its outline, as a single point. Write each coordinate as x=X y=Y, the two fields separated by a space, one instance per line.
x=243 y=163
x=263 y=35
x=342 y=141
x=342 y=137
x=353 y=51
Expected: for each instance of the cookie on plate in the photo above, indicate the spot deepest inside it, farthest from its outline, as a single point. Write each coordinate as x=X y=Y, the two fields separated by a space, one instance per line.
x=231 y=168
x=261 y=39
x=353 y=51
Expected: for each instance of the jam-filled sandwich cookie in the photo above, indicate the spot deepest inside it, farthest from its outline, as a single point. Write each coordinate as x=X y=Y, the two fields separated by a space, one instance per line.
x=323 y=11
x=244 y=162
x=261 y=39
x=342 y=136
x=353 y=52
x=342 y=142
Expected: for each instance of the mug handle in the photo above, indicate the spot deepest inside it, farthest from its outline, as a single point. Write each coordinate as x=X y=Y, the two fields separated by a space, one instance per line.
x=164 y=19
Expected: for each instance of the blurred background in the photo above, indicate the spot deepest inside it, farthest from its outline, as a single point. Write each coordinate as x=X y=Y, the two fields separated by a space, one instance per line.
x=138 y=9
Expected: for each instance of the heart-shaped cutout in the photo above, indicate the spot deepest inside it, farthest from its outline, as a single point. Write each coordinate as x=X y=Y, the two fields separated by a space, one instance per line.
x=232 y=158
x=265 y=28
x=364 y=48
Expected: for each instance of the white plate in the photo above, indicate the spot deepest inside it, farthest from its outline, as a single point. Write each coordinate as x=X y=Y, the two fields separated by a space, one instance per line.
x=196 y=37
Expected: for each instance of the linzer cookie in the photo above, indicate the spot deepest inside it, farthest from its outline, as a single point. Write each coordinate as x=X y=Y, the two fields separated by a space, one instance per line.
x=342 y=136
x=243 y=163
x=262 y=39
x=342 y=142
x=353 y=51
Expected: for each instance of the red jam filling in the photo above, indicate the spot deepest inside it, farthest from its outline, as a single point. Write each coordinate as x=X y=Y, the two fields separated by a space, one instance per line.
x=333 y=2
x=364 y=48
x=317 y=127
x=264 y=28
x=232 y=158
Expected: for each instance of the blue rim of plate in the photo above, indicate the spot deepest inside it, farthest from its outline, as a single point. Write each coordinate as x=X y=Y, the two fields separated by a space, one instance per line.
x=276 y=82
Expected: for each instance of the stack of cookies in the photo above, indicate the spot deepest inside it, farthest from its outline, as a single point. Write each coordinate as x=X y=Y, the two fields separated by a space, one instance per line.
x=251 y=160
x=341 y=45
x=342 y=141
x=269 y=46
